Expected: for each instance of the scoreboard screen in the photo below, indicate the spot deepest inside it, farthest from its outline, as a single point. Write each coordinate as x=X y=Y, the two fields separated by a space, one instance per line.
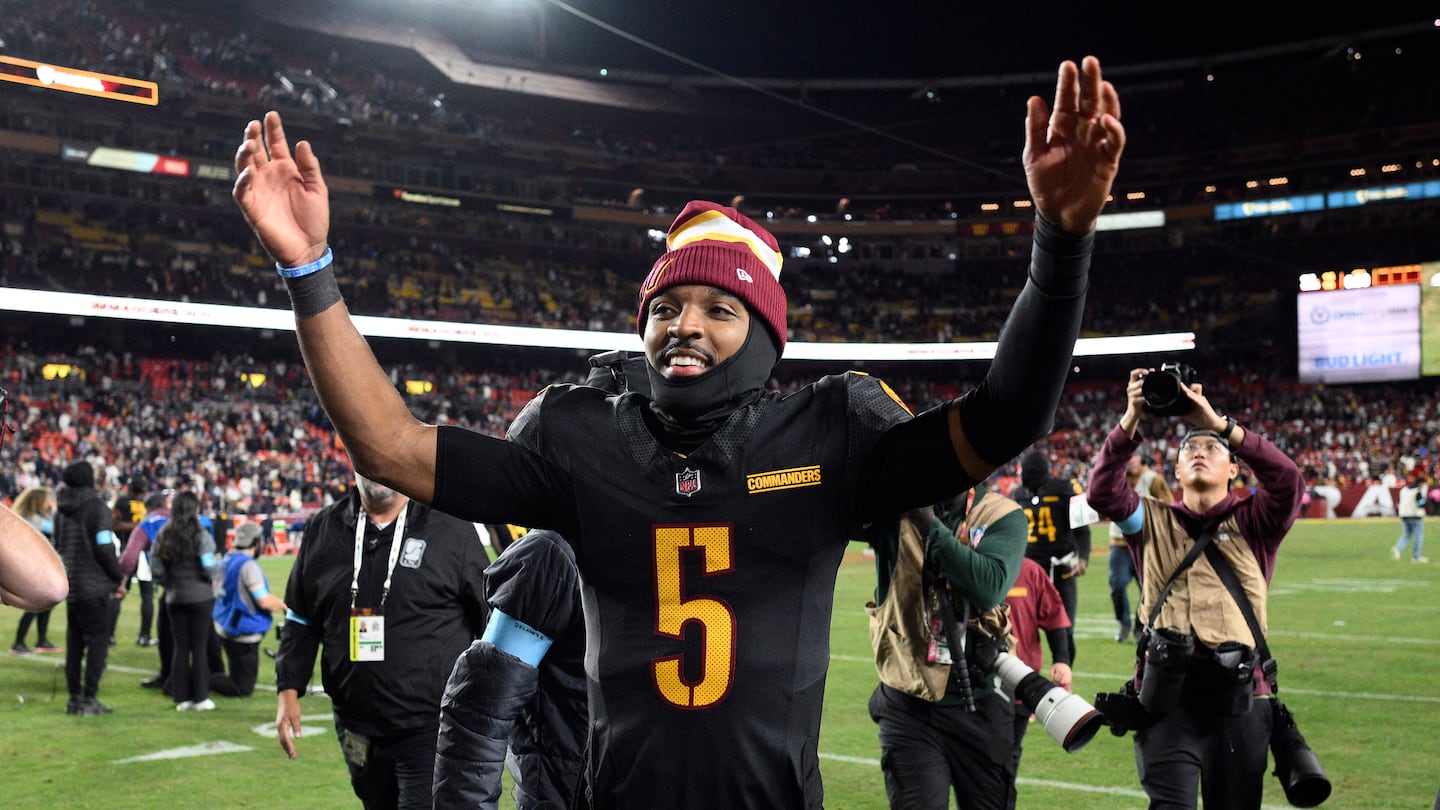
x=1369 y=325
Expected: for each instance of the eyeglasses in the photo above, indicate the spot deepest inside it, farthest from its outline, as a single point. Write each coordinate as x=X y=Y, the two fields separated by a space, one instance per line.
x=1194 y=448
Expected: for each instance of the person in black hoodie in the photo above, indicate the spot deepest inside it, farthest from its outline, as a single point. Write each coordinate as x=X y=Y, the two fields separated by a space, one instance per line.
x=530 y=698
x=1061 y=549
x=85 y=539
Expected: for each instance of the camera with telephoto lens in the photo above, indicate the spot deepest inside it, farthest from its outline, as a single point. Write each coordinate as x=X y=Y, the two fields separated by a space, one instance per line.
x=1162 y=393
x=1066 y=716
x=1296 y=766
x=1167 y=662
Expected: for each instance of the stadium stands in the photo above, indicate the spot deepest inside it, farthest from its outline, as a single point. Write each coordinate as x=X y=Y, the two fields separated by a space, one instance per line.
x=556 y=198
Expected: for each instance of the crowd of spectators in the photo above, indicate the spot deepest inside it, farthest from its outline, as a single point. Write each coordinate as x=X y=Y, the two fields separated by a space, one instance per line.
x=258 y=447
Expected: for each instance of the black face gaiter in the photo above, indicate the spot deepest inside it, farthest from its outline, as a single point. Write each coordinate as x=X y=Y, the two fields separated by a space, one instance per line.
x=690 y=409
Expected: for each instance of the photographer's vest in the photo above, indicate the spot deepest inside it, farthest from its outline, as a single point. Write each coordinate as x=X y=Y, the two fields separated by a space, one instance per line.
x=1198 y=603
x=900 y=627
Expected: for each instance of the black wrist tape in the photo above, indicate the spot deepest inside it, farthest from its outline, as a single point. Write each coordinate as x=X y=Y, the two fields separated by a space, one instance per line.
x=312 y=294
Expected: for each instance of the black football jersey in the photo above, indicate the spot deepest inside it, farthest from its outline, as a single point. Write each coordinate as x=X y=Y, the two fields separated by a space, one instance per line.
x=707 y=579
x=1048 y=511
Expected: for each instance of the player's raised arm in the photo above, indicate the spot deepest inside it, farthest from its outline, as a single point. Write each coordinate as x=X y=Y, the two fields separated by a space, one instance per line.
x=1072 y=153
x=286 y=203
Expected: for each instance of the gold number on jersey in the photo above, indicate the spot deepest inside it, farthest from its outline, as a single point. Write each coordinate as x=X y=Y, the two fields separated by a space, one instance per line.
x=1042 y=523
x=674 y=611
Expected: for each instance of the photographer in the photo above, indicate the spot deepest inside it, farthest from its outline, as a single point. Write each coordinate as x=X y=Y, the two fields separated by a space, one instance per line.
x=944 y=730
x=1214 y=735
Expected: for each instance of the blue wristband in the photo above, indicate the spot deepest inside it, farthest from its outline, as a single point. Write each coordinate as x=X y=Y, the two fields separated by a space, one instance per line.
x=306 y=269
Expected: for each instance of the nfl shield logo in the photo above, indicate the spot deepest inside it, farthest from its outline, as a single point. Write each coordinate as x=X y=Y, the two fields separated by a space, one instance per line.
x=687 y=482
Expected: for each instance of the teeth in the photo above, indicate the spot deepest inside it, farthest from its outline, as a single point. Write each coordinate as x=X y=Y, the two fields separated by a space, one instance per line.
x=686 y=361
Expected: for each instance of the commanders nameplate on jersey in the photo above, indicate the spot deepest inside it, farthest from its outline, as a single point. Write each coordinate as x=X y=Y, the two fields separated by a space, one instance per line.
x=756 y=483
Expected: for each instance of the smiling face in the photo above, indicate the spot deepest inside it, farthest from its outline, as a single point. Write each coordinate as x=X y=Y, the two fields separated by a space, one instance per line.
x=692 y=328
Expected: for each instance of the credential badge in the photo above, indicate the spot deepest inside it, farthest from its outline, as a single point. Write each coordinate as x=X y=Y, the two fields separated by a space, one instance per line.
x=687 y=482
x=413 y=552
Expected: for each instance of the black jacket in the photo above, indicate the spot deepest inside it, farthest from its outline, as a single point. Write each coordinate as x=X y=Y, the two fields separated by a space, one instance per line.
x=86 y=543
x=435 y=608
x=495 y=700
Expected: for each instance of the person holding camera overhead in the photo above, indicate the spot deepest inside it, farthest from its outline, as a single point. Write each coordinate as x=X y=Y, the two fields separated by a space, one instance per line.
x=1198 y=673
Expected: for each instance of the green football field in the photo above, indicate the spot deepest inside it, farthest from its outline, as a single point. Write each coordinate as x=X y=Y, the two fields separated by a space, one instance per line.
x=1357 y=637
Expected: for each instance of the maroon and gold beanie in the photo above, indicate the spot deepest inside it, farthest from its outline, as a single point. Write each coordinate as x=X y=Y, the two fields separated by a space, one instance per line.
x=720 y=247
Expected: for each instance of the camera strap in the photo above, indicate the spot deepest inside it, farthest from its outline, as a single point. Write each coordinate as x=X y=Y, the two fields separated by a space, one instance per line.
x=955 y=634
x=1193 y=554
x=1232 y=584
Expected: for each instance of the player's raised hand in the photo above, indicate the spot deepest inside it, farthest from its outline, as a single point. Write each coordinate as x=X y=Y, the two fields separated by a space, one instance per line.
x=283 y=198
x=1072 y=151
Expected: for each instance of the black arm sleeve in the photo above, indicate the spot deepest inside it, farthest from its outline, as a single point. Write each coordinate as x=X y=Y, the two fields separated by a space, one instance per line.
x=1059 y=641
x=105 y=555
x=485 y=693
x=300 y=638
x=1015 y=404
x=1080 y=536
x=295 y=660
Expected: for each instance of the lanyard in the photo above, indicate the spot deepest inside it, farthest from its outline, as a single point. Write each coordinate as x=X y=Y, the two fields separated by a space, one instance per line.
x=395 y=539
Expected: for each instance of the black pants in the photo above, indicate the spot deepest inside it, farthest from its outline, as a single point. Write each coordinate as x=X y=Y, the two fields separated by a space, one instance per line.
x=167 y=640
x=147 y=606
x=928 y=751
x=190 y=665
x=244 y=666
x=1064 y=578
x=41 y=619
x=1198 y=745
x=1021 y=725
x=87 y=644
x=394 y=772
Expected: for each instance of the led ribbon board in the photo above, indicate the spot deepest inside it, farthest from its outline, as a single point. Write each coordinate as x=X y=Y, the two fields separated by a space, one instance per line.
x=76 y=80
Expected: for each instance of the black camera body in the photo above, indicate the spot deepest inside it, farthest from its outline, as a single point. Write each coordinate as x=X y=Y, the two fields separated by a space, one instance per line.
x=1162 y=393
x=1122 y=710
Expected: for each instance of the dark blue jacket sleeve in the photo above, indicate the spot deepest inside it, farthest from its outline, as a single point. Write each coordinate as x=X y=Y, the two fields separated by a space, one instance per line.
x=485 y=693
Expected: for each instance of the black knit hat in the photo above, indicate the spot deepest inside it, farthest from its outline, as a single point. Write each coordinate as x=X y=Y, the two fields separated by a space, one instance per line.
x=79 y=474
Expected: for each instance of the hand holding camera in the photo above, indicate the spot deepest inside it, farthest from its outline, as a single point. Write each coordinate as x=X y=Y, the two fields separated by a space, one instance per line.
x=1172 y=390
x=1164 y=390
x=1175 y=390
